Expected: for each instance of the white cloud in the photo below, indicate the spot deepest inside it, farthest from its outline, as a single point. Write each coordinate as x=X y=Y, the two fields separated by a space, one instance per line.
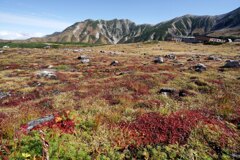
x=32 y=21
x=9 y=35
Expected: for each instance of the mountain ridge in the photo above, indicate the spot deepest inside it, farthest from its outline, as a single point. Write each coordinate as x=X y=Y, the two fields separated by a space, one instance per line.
x=126 y=31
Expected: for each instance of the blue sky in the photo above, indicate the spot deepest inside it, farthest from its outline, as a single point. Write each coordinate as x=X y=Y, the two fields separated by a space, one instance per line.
x=20 y=19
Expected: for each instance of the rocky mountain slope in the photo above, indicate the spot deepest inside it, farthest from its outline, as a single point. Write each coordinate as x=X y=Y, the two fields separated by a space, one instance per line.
x=125 y=31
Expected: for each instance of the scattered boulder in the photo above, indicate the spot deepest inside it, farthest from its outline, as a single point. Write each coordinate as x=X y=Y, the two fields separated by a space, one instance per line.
x=158 y=60
x=232 y=64
x=1 y=51
x=112 y=52
x=170 y=56
x=50 y=66
x=4 y=95
x=114 y=63
x=200 y=67
x=77 y=50
x=5 y=47
x=47 y=73
x=83 y=59
x=174 y=93
x=214 y=58
x=34 y=123
x=47 y=47
x=167 y=91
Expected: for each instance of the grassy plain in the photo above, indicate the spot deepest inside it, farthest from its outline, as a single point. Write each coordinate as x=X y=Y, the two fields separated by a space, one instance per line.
x=117 y=111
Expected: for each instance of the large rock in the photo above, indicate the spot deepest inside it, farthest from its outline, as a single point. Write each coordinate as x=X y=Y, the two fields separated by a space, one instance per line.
x=5 y=47
x=34 y=123
x=232 y=64
x=83 y=59
x=47 y=73
x=158 y=60
x=214 y=58
x=114 y=63
x=200 y=67
x=47 y=47
x=4 y=95
x=1 y=51
x=167 y=91
x=174 y=93
x=170 y=56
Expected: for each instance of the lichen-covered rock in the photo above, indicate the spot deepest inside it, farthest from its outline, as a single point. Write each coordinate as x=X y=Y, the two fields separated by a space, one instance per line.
x=167 y=91
x=4 y=95
x=83 y=59
x=200 y=67
x=158 y=60
x=47 y=73
x=170 y=56
x=34 y=123
x=114 y=63
x=232 y=64
x=214 y=58
x=5 y=47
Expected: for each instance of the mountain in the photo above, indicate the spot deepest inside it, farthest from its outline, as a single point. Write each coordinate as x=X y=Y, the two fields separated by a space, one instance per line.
x=125 y=31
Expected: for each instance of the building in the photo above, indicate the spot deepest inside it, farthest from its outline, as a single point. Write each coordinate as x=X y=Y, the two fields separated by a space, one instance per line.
x=207 y=39
x=217 y=40
x=186 y=39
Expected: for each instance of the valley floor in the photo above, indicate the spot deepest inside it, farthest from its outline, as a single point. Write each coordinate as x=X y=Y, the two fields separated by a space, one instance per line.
x=132 y=109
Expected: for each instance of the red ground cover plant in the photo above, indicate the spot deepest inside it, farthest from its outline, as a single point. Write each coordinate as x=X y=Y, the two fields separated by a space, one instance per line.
x=61 y=121
x=2 y=116
x=17 y=99
x=152 y=128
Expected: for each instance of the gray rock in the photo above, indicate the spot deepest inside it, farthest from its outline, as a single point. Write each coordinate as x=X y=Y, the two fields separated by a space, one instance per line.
x=34 y=123
x=84 y=59
x=158 y=60
x=200 y=67
x=4 y=95
x=214 y=58
x=114 y=63
x=47 y=73
x=1 y=51
x=235 y=155
x=170 y=56
x=78 y=50
x=5 y=47
x=167 y=91
x=232 y=64
x=47 y=47
x=50 y=66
